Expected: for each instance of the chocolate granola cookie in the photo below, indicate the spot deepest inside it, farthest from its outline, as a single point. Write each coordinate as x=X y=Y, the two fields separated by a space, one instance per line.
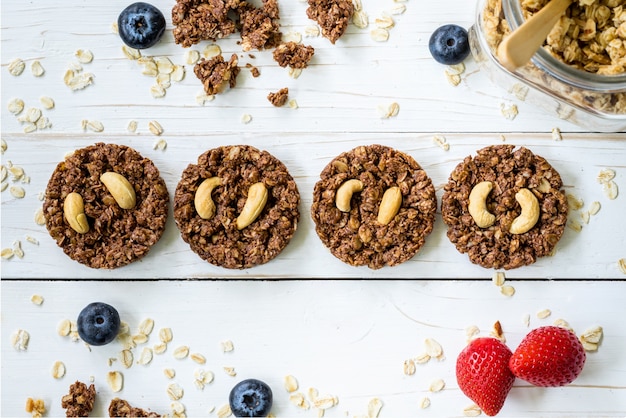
x=237 y=207
x=373 y=206
x=504 y=207
x=106 y=205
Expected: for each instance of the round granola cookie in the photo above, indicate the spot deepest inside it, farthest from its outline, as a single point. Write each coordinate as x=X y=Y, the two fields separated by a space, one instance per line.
x=106 y=205
x=237 y=207
x=373 y=206
x=504 y=207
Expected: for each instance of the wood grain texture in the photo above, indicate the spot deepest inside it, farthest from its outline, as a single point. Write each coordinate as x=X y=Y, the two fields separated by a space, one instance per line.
x=344 y=338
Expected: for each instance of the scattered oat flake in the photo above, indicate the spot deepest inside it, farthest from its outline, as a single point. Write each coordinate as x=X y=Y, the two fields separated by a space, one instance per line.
x=224 y=411
x=379 y=34
x=160 y=145
x=441 y=142
x=58 y=369
x=437 y=385
x=543 y=314
x=246 y=118
x=472 y=411
x=198 y=358
x=20 y=339
x=299 y=400
x=621 y=264
x=174 y=391
x=169 y=373
x=165 y=335
x=3 y=145
x=15 y=106
x=126 y=357
x=178 y=74
x=574 y=202
x=574 y=225
x=181 y=352
x=230 y=371
x=556 y=134
x=16 y=67
x=47 y=102
x=605 y=175
x=409 y=367
x=424 y=403
x=64 y=328
x=177 y=408
x=398 y=9
x=290 y=383
x=311 y=31
x=40 y=219
x=360 y=19
x=498 y=278
x=526 y=320
x=592 y=335
x=373 y=407
x=115 y=380
x=131 y=53
x=610 y=189
x=84 y=56
x=132 y=126
x=146 y=356
x=17 y=192
x=94 y=126
x=471 y=331
x=453 y=79
x=510 y=112
x=157 y=91
x=155 y=127
x=192 y=56
x=507 y=290
x=433 y=348
x=212 y=50
x=80 y=81
x=36 y=299
x=388 y=110
x=146 y=326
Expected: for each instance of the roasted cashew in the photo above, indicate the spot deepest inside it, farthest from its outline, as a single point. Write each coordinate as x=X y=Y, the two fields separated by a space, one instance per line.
x=202 y=200
x=74 y=211
x=390 y=205
x=530 y=212
x=345 y=192
x=120 y=188
x=257 y=198
x=478 y=204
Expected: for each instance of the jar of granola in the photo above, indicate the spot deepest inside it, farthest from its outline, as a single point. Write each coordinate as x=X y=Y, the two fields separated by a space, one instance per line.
x=580 y=73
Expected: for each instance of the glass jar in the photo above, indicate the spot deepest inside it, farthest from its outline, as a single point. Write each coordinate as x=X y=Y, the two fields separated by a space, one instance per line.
x=595 y=102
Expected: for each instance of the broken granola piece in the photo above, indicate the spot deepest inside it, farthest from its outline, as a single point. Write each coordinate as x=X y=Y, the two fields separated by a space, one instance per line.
x=79 y=402
x=259 y=26
x=333 y=16
x=198 y=20
x=216 y=74
x=121 y=408
x=279 y=98
x=35 y=407
x=293 y=55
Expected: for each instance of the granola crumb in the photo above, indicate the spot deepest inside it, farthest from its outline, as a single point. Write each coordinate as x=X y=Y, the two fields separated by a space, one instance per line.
x=121 y=408
x=333 y=16
x=35 y=407
x=216 y=74
x=293 y=55
x=79 y=401
x=279 y=98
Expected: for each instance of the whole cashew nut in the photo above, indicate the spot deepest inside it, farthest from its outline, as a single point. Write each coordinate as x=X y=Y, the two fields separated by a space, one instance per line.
x=74 y=211
x=530 y=212
x=202 y=200
x=257 y=198
x=345 y=192
x=120 y=188
x=390 y=205
x=478 y=204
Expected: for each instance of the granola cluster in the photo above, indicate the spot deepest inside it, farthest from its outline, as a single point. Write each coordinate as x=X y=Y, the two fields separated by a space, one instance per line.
x=216 y=74
x=293 y=55
x=279 y=98
x=333 y=16
x=198 y=20
x=121 y=408
x=590 y=37
x=79 y=402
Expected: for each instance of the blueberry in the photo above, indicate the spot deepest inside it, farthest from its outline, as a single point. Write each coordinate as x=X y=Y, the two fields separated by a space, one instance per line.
x=98 y=323
x=141 y=25
x=250 y=398
x=449 y=45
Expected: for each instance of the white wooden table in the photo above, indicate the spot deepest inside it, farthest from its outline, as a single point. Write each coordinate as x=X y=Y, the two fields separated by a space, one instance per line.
x=350 y=337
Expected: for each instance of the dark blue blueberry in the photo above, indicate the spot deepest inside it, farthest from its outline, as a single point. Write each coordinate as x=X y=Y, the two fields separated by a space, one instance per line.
x=250 y=398
x=141 y=25
x=449 y=44
x=98 y=323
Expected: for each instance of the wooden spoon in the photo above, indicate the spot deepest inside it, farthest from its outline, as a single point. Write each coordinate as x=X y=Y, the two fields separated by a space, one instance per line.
x=517 y=48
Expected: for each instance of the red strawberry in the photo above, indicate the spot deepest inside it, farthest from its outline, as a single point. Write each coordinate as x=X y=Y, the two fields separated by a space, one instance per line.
x=548 y=356
x=482 y=372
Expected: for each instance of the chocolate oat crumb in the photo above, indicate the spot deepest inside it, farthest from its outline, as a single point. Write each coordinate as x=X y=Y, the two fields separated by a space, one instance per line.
x=253 y=70
x=333 y=16
x=198 y=20
x=259 y=26
x=79 y=402
x=279 y=98
x=121 y=408
x=293 y=55
x=215 y=74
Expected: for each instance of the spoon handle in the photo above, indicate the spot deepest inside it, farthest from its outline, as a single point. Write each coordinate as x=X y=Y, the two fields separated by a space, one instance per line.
x=520 y=45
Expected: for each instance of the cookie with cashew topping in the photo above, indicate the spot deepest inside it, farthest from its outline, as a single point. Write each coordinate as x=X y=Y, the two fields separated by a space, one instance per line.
x=106 y=205
x=373 y=206
x=504 y=207
x=237 y=207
